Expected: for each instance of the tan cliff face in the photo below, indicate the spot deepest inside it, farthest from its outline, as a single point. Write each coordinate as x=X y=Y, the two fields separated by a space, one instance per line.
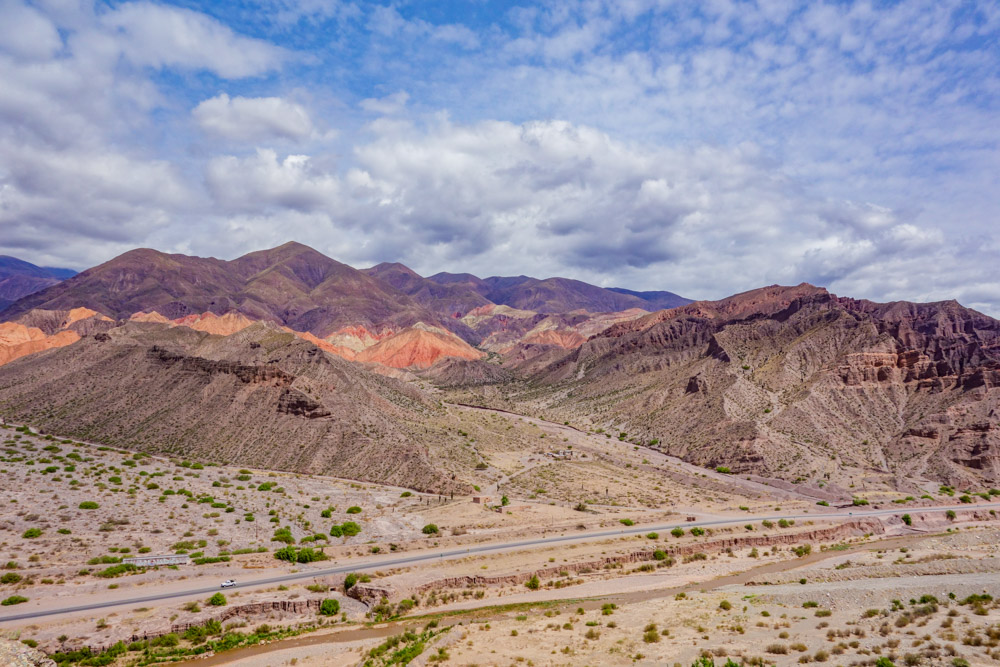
x=17 y=340
x=38 y=331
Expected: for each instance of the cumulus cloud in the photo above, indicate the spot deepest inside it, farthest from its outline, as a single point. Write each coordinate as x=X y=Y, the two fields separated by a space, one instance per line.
x=253 y=119
x=556 y=198
x=160 y=36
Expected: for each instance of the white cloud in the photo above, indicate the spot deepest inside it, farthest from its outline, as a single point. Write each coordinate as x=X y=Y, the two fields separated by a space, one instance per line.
x=253 y=119
x=262 y=181
x=388 y=105
x=25 y=32
x=161 y=36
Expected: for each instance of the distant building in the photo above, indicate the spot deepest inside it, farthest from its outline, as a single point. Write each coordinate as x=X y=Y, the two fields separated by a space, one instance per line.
x=150 y=561
x=481 y=500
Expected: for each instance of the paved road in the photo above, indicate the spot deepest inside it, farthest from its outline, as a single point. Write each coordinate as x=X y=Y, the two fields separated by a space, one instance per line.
x=487 y=548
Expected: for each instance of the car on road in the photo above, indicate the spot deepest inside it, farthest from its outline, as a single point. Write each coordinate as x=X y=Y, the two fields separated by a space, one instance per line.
x=228 y=583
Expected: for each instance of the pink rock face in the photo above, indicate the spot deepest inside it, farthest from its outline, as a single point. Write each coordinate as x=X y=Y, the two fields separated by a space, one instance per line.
x=417 y=348
x=565 y=339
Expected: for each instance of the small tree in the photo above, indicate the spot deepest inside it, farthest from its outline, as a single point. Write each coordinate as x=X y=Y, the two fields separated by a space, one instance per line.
x=533 y=583
x=349 y=581
x=329 y=607
x=907 y=519
x=217 y=600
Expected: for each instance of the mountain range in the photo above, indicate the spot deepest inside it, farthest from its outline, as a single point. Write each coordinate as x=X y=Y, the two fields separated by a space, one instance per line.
x=286 y=358
x=19 y=278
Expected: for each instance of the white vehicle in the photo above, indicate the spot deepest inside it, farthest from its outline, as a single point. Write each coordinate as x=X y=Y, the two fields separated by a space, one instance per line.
x=228 y=583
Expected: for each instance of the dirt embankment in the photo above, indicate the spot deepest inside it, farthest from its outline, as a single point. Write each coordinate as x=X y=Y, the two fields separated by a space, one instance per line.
x=841 y=531
x=256 y=609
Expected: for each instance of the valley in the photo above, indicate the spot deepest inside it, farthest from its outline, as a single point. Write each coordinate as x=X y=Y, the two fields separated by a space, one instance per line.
x=368 y=452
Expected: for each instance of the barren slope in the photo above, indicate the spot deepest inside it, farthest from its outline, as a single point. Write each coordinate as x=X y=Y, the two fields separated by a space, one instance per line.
x=260 y=397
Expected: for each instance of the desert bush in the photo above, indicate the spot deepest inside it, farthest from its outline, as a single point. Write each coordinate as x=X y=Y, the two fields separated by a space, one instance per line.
x=354 y=509
x=533 y=583
x=430 y=529
x=329 y=607
x=13 y=599
x=217 y=600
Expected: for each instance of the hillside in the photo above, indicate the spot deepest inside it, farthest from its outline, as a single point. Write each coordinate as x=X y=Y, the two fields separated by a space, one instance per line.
x=260 y=397
x=791 y=382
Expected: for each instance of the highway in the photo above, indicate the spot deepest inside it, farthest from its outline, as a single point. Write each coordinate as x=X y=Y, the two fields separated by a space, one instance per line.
x=441 y=556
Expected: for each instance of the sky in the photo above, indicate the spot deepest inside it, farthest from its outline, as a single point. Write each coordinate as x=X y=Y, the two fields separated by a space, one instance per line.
x=704 y=148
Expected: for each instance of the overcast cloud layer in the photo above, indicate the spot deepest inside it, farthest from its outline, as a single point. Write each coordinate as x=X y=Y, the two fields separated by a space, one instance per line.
x=703 y=148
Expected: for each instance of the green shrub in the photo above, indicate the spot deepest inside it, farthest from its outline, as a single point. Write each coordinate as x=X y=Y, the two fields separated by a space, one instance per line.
x=350 y=528
x=677 y=532
x=430 y=529
x=283 y=535
x=88 y=505
x=349 y=581
x=14 y=599
x=10 y=578
x=697 y=531
x=907 y=519
x=31 y=533
x=116 y=570
x=217 y=600
x=533 y=583
x=627 y=522
x=354 y=509
x=329 y=607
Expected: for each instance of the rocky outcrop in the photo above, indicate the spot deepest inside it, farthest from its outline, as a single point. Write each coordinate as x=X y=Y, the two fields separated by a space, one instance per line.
x=248 y=374
x=371 y=593
x=257 y=609
x=15 y=654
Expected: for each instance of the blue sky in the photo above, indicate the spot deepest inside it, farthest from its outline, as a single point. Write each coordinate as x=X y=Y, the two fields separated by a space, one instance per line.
x=704 y=148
